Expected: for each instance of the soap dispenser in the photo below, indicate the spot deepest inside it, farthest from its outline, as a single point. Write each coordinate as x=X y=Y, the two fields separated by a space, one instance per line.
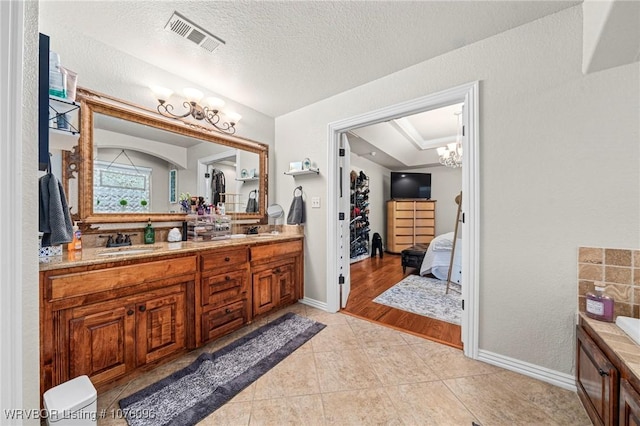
x=149 y=233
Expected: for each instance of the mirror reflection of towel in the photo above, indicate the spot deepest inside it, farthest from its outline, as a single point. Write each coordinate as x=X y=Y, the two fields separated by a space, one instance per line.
x=252 y=203
x=296 y=211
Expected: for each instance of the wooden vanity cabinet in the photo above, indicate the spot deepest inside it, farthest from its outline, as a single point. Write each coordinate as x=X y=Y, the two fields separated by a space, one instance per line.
x=109 y=321
x=276 y=275
x=629 y=405
x=607 y=388
x=596 y=380
x=115 y=320
x=224 y=296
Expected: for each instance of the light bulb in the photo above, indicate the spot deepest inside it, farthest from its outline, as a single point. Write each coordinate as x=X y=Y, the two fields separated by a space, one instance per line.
x=233 y=116
x=441 y=151
x=192 y=95
x=161 y=93
x=214 y=103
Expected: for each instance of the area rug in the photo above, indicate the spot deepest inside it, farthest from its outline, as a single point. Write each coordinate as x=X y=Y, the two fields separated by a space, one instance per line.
x=424 y=296
x=191 y=394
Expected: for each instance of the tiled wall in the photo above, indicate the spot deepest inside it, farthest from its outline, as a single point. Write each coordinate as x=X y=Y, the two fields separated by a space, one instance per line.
x=617 y=270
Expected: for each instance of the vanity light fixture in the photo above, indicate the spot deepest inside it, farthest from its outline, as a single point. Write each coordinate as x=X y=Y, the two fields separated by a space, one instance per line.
x=210 y=111
x=451 y=155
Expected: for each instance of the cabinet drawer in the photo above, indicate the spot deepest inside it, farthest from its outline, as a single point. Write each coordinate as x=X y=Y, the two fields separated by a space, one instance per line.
x=224 y=288
x=404 y=239
x=81 y=283
x=423 y=239
x=269 y=251
x=221 y=258
x=404 y=223
x=404 y=214
x=425 y=214
x=223 y=320
x=423 y=205
x=425 y=230
x=405 y=205
x=404 y=231
x=426 y=222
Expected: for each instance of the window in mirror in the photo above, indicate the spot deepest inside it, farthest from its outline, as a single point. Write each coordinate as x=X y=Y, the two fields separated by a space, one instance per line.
x=121 y=187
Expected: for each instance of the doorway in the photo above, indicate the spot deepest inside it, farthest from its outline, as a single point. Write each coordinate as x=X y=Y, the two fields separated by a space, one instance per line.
x=467 y=94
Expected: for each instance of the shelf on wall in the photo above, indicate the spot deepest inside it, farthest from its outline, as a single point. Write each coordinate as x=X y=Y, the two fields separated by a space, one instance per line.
x=66 y=110
x=309 y=171
x=247 y=179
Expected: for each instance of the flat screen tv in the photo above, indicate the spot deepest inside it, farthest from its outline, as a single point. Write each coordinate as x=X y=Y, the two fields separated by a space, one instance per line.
x=410 y=185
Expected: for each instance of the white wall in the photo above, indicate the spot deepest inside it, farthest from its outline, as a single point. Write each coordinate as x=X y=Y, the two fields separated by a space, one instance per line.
x=559 y=169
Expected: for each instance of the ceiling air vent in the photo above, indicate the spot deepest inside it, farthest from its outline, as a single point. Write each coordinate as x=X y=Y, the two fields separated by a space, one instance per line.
x=186 y=29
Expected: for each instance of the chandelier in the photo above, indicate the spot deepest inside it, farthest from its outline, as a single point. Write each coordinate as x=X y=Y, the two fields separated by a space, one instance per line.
x=209 y=112
x=451 y=155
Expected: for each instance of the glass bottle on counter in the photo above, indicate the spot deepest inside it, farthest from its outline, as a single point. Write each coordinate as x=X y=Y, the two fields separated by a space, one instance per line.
x=599 y=305
x=149 y=233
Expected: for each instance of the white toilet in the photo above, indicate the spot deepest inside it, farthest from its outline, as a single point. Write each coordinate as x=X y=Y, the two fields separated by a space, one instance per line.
x=74 y=402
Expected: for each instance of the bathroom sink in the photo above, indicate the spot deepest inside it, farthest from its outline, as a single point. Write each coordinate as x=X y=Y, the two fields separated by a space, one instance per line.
x=631 y=326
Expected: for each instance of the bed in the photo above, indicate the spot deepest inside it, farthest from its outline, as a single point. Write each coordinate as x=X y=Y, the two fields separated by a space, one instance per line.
x=438 y=258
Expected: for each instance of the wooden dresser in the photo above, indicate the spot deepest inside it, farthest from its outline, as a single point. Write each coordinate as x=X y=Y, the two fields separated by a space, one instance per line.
x=410 y=222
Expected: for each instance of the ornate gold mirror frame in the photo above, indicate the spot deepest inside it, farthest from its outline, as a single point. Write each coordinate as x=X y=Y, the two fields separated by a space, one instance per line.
x=93 y=102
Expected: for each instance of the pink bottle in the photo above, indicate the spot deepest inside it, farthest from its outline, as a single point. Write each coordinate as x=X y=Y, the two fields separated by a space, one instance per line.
x=599 y=305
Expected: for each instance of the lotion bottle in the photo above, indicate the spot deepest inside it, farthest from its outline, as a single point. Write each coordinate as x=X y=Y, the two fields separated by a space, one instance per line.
x=599 y=305
x=76 y=243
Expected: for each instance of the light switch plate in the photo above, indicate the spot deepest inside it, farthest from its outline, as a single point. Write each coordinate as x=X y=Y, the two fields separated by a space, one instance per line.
x=315 y=202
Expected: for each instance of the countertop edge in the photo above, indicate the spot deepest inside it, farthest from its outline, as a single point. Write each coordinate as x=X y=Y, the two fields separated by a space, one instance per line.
x=617 y=341
x=91 y=256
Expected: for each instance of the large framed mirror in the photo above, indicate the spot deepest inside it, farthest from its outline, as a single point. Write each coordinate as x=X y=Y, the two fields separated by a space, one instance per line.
x=136 y=164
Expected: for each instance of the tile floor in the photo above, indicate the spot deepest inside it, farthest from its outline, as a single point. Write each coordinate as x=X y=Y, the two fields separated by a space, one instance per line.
x=358 y=373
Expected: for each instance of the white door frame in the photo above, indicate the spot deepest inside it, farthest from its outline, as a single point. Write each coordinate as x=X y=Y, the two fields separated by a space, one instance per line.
x=12 y=346
x=467 y=93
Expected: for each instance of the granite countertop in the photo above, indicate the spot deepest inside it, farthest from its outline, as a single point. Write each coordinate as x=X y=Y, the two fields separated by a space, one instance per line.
x=621 y=344
x=94 y=256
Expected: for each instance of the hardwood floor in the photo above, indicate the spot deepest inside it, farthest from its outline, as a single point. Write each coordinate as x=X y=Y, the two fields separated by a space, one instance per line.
x=371 y=277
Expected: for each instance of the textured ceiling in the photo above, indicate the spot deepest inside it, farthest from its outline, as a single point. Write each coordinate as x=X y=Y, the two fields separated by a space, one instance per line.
x=280 y=56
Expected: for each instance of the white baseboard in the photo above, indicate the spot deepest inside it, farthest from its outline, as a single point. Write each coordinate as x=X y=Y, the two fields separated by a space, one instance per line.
x=563 y=380
x=314 y=303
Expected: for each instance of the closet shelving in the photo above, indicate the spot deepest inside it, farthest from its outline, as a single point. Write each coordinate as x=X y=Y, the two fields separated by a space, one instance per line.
x=359 y=223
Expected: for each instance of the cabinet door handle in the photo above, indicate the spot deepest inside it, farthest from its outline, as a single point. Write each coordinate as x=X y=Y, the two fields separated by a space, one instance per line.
x=603 y=372
x=131 y=312
x=227 y=278
x=226 y=259
x=142 y=308
x=228 y=310
x=277 y=270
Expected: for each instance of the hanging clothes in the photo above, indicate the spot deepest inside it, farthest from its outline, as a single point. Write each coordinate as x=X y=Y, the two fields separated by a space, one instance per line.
x=252 y=203
x=296 y=211
x=55 y=219
x=217 y=187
